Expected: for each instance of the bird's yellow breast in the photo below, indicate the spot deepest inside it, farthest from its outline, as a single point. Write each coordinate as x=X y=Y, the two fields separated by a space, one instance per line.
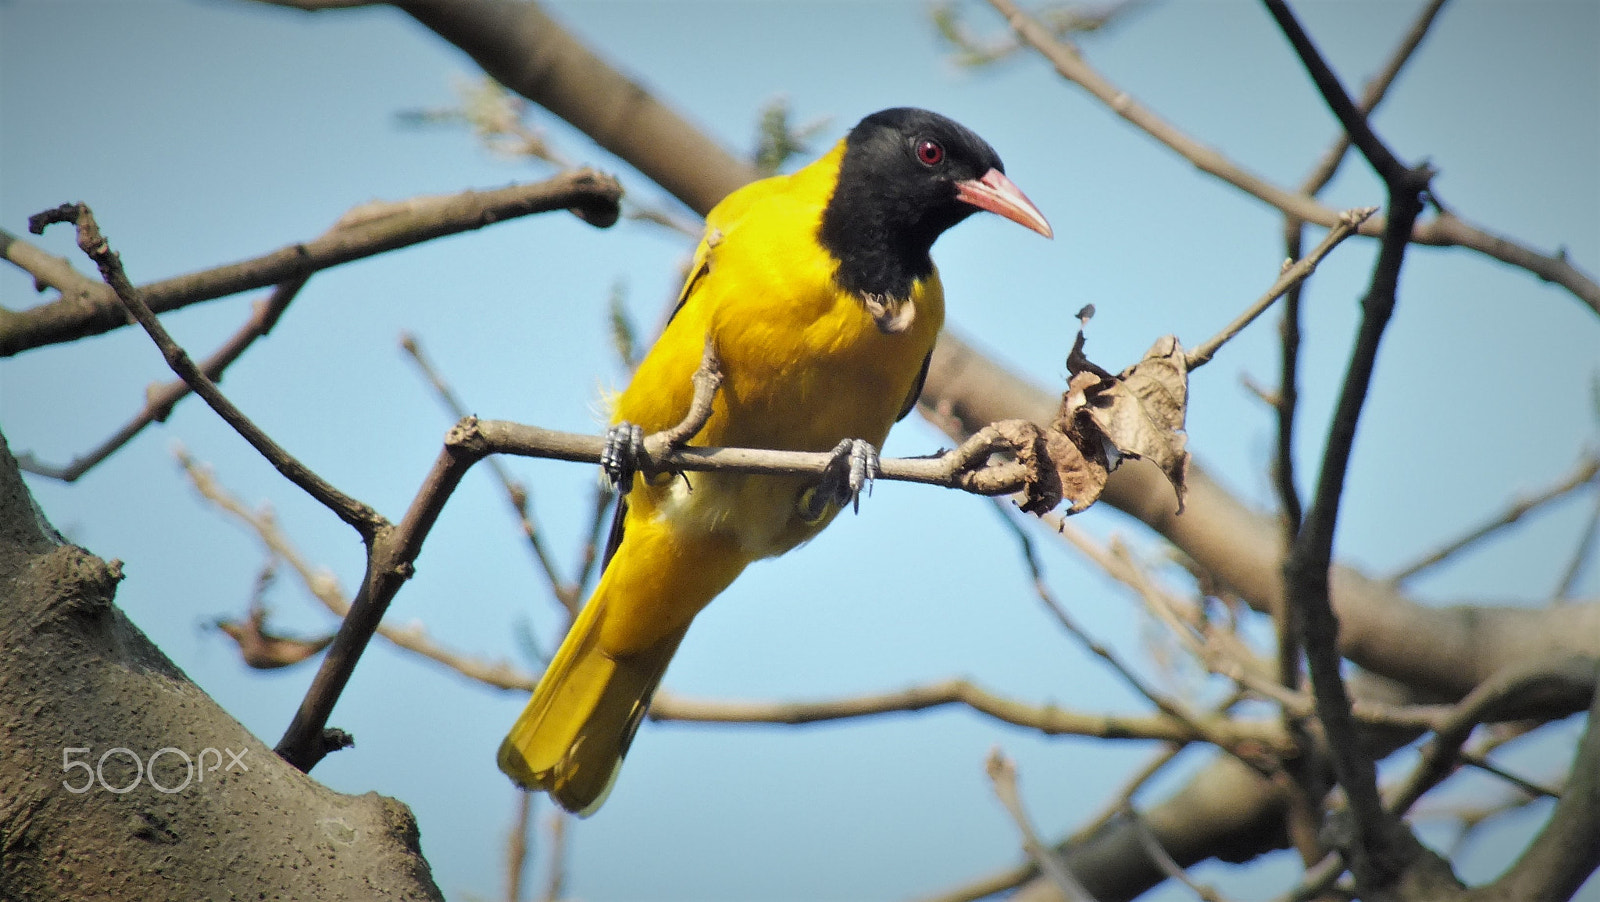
x=805 y=364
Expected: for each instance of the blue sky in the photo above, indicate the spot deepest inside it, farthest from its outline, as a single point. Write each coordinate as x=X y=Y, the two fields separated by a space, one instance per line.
x=203 y=133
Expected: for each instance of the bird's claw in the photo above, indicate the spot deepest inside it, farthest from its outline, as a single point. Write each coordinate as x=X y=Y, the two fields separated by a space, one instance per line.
x=622 y=454
x=853 y=467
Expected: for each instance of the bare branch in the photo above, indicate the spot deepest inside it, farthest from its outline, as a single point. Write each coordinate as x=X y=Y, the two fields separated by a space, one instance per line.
x=1047 y=719
x=566 y=593
x=1583 y=474
x=363 y=232
x=1445 y=230
x=1003 y=774
x=1582 y=554
x=160 y=399
x=1381 y=848
x=1168 y=706
x=526 y=50
x=1293 y=274
x=1153 y=848
x=1567 y=849
x=1558 y=681
x=364 y=519
x=517 y=846
x=556 y=877
x=325 y=589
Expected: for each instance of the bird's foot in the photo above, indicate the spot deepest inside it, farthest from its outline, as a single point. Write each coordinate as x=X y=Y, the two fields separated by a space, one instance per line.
x=622 y=455
x=853 y=467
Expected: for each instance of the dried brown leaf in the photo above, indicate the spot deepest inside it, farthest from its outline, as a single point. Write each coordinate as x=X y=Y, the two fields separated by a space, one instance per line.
x=267 y=651
x=1142 y=413
x=1104 y=418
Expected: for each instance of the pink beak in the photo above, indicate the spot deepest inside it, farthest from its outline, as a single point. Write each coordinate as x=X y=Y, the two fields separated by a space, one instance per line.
x=998 y=194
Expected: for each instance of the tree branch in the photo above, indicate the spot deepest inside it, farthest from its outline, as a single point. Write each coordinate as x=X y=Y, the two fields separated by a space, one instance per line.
x=1567 y=849
x=1583 y=474
x=362 y=518
x=1444 y=230
x=362 y=232
x=1293 y=274
x=1003 y=774
x=161 y=399
x=1047 y=719
x=1381 y=850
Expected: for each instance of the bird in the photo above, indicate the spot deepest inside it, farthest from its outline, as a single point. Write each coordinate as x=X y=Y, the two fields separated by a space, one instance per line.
x=817 y=293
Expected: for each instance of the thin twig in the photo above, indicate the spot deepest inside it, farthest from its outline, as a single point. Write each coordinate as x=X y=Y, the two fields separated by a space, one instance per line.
x=1373 y=94
x=1158 y=853
x=516 y=493
x=1030 y=559
x=1523 y=784
x=1581 y=554
x=555 y=884
x=1585 y=473
x=1444 y=230
x=1571 y=678
x=1003 y=774
x=364 y=519
x=1346 y=225
x=325 y=589
x=160 y=399
x=517 y=847
x=1047 y=719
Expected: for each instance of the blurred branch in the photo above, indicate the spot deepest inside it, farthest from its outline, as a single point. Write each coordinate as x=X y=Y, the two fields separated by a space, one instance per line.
x=1153 y=848
x=1047 y=719
x=1560 y=680
x=498 y=118
x=566 y=593
x=325 y=589
x=517 y=846
x=1003 y=774
x=523 y=48
x=1567 y=849
x=1168 y=706
x=778 y=141
x=1061 y=19
x=1583 y=474
x=160 y=399
x=1582 y=554
x=364 y=231
x=1445 y=230
x=556 y=877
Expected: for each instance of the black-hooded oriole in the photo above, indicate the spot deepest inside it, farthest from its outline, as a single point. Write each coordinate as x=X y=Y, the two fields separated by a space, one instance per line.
x=818 y=294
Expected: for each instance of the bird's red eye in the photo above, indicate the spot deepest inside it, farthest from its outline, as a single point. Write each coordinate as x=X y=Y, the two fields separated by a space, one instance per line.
x=929 y=152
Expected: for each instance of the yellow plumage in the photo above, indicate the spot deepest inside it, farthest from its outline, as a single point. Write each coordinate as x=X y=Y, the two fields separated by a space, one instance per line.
x=806 y=364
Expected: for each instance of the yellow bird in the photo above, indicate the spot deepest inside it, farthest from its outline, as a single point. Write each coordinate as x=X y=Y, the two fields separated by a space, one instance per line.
x=818 y=294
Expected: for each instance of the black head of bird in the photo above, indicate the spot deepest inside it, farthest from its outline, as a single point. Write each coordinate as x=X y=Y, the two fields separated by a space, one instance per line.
x=908 y=175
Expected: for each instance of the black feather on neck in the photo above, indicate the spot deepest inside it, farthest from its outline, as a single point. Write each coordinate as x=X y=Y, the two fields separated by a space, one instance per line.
x=888 y=209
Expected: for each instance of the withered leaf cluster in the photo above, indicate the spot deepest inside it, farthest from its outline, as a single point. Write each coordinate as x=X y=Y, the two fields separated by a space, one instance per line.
x=1105 y=418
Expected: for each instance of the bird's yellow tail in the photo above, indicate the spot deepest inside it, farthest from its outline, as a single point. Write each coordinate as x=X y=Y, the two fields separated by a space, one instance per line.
x=570 y=739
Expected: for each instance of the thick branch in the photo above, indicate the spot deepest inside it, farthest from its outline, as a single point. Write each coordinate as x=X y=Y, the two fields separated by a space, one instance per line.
x=362 y=232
